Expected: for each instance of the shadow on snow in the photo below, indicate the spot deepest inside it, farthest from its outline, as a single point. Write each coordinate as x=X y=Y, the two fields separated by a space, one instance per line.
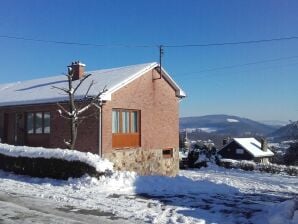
x=219 y=203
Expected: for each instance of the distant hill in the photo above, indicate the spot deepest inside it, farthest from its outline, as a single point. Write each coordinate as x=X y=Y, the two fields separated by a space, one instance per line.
x=226 y=125
x=276 y=123
x=288 y=132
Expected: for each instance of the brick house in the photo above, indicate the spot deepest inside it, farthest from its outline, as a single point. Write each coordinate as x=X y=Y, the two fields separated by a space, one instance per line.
x=136 y=127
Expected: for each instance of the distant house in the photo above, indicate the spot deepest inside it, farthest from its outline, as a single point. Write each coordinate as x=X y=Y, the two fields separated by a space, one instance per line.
x=246 y=149
x=137 y=127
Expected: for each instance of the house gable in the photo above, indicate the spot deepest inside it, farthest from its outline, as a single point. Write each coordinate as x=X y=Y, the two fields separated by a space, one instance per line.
x=158 y=105
x=231 y=151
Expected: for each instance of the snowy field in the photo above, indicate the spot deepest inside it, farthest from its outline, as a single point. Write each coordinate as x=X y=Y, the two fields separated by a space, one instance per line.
x=209 y=195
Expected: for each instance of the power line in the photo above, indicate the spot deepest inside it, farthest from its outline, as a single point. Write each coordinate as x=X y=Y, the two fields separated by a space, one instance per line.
x=234 y=43
x=77 y=43
x=152 y=45
x=241 y=65
x=259 y=69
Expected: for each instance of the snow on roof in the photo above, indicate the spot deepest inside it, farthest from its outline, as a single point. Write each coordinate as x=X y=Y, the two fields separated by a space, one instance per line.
x=40 y=90
x=253 y=147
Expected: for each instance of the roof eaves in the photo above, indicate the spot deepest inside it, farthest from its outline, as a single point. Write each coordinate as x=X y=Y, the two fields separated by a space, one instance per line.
x=179 y=92
x=224 y=146
x=108 y=95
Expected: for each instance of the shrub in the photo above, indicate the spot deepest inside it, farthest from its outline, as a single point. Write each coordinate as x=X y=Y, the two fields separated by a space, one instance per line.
x=47 y=167
x=249 y=166
x=291 y=155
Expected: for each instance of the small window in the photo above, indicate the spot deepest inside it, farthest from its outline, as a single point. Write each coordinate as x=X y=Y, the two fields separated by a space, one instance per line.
x=115 y=121
x=134 y=121
x=46 y=122
x=30 y=123
x=125 y=122
x=167 y=153
x=239 y=151
x=38 y=123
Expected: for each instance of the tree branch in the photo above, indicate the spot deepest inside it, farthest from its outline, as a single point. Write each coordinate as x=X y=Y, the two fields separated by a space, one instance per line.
x=91 y=84
x=62 y=89
x=81 y=81
x=63 y=109
x=93 y=101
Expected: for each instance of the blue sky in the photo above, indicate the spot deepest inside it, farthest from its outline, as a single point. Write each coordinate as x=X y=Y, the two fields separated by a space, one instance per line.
x=262 y=91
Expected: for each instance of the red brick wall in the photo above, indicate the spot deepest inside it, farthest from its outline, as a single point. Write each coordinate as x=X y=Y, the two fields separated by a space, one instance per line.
x=87 y=134
x=159 y=112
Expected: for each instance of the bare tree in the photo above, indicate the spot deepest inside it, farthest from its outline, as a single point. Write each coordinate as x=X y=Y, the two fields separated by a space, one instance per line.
x=76 y=112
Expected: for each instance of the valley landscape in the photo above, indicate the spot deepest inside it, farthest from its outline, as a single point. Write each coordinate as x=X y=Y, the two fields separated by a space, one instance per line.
x=218 y=127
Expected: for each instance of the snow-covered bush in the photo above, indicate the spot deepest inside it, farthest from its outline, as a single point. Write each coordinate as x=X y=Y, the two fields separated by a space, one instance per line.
x=52 y=163
x=242 y=164
x=249 y=165
x=274 y=168
x=201 y=155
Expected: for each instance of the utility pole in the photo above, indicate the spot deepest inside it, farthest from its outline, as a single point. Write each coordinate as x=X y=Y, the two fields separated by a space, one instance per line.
x=161 y=53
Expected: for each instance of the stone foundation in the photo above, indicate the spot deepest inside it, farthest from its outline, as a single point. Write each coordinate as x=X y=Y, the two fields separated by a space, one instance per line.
x=145 y=162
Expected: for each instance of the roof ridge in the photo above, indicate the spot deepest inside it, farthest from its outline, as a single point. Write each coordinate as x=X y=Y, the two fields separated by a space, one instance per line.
x=61 y=75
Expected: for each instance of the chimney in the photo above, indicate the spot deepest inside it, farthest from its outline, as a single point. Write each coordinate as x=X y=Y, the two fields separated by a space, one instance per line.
x=78 y=70
x=224 y=141
x=264 y=145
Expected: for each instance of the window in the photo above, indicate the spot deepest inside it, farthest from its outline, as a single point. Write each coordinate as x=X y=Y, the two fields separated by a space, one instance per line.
x=167 y=153
x=125 y=128
x=116 y=121
x=30 y=123
x=134 y=121
x=125 y=121
x=239 y=151
x=46 y=122
x=38 y=123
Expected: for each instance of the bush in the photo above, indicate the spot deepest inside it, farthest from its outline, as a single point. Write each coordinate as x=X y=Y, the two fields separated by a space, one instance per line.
x=249 y=166
x=44 y=167
x=199 y=157
x=291 y=155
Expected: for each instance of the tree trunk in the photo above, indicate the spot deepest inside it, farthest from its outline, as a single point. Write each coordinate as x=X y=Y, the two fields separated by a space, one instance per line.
x=72 y=109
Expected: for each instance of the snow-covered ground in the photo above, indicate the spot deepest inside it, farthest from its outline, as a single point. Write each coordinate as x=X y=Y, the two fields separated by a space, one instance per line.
x=208 y=195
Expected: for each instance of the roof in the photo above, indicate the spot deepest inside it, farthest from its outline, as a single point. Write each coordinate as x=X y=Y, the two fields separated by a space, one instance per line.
x=38 y=91
x=253 y=146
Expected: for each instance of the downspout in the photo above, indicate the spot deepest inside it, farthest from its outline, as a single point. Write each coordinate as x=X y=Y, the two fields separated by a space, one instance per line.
x=100 y=129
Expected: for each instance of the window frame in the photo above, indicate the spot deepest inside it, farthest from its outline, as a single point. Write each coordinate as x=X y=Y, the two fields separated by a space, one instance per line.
x=34 y=121
x=120 y=121
x=130 y=139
